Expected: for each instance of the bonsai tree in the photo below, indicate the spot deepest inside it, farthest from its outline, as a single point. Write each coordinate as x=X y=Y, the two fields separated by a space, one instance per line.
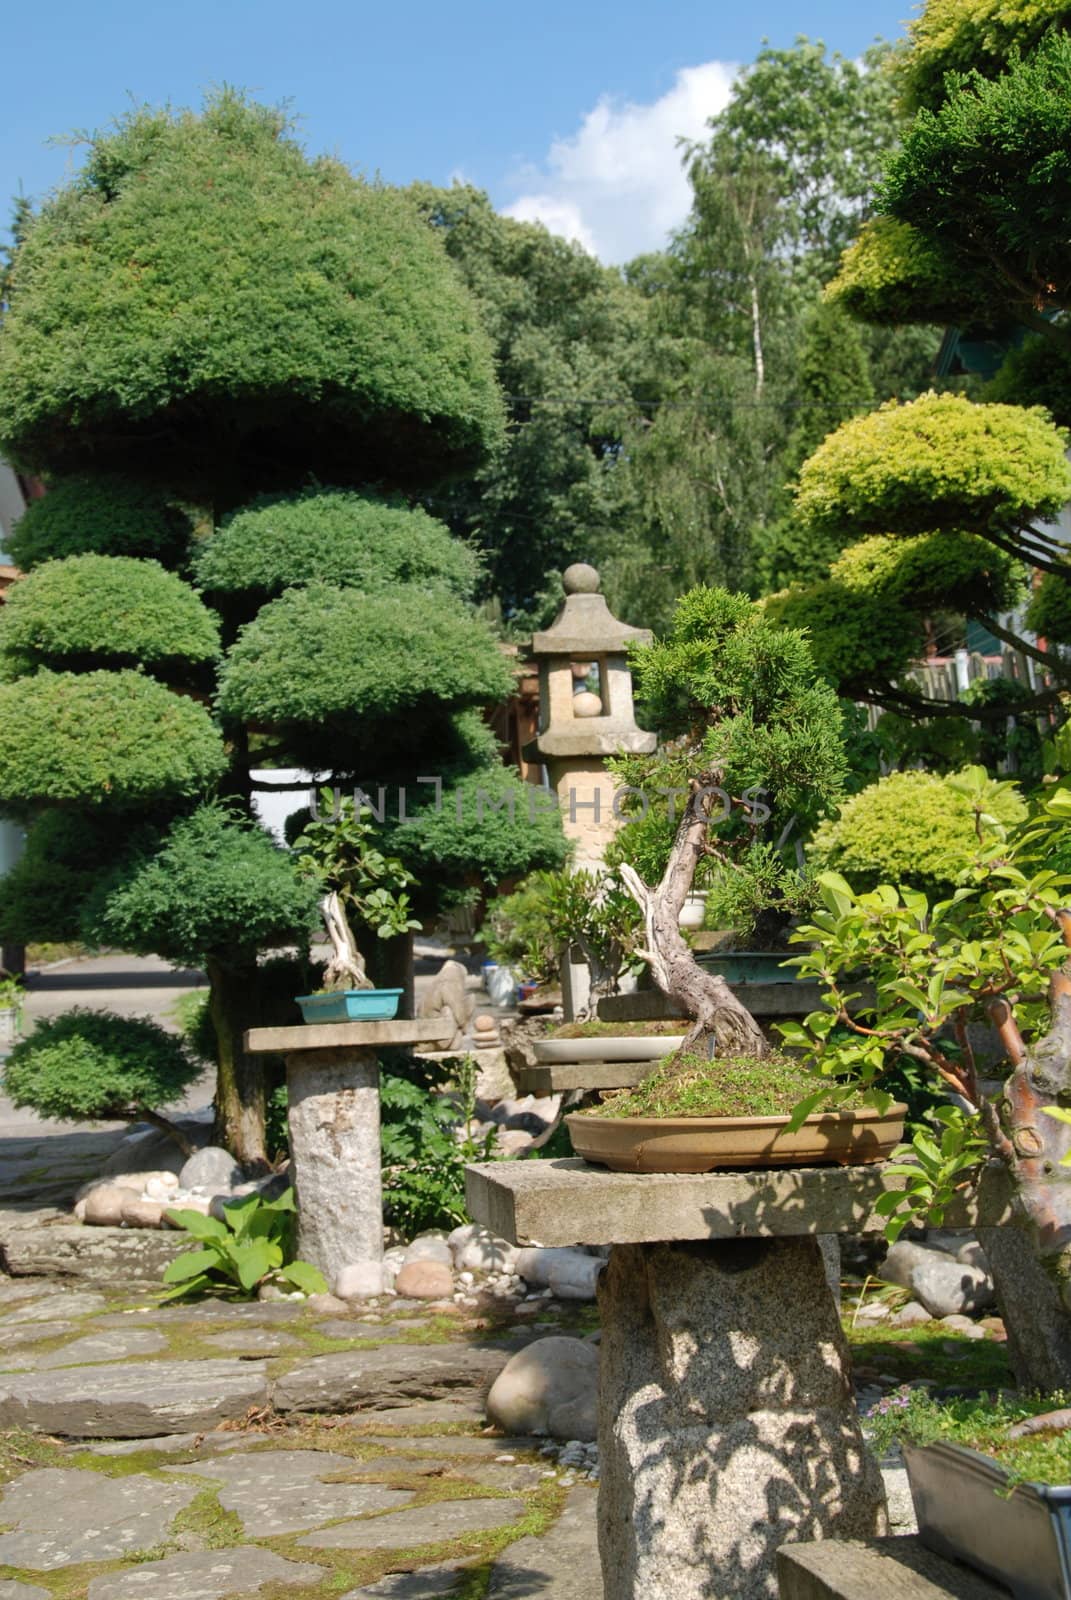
x=95 y=1065
x=996 y=951
x=757 y=753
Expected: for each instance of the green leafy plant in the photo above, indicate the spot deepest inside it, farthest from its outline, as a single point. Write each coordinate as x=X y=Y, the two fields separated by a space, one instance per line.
x=12 y=995
x=337 y=848
x=253 y=1245
x=1010 y=1429
x=423 y=1160
x=936 y=967
x=518 y=932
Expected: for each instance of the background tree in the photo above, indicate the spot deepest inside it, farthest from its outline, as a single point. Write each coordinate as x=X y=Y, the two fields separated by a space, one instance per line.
x=208 y=315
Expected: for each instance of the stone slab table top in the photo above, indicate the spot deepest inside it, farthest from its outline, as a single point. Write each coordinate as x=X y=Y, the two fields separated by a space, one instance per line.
x=794 y=999
x=570 y=1201
x=562 y=1077
x=343 y=1035
x=896 y=1569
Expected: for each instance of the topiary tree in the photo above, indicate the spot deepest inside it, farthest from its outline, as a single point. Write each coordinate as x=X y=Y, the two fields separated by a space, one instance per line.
x=205 y=313
x=914 y=829
x=958 y=36
x=958 y=491
x=87 y=1066
x=212 y=894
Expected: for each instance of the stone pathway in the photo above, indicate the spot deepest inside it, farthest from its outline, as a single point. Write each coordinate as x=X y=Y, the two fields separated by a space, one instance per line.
x=230 y=1450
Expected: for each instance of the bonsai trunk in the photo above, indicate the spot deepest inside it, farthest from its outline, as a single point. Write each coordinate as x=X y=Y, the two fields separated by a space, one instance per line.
x=240 y=1101
x=719 y=1017
x=345 y=970
x=1034 y=1284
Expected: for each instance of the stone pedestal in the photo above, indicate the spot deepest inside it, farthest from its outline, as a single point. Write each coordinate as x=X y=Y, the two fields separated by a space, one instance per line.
x=727 y=1423
x=332 y=1078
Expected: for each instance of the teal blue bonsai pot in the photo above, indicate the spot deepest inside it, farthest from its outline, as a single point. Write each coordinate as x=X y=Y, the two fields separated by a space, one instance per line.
x=350 y=1005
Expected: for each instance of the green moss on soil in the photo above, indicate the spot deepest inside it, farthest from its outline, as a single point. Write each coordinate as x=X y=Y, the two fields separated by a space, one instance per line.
x=673 y=1028
x=687 y=1084
x=929 y=1351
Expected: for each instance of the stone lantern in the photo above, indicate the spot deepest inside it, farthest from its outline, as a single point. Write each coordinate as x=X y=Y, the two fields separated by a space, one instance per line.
x=585 y=710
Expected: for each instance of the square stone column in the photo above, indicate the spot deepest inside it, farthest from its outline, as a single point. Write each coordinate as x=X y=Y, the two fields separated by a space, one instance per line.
x=727 y=1421
x=332 y=1080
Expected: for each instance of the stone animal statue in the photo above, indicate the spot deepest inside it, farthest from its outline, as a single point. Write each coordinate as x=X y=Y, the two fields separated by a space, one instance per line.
x=447 y=997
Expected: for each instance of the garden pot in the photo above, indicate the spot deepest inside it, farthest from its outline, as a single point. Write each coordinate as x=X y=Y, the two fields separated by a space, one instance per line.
x=612 y=1047
x=693 y=911
x=741 y=967
x=705 y=1144
x=350 y=1005
x=964 y=1511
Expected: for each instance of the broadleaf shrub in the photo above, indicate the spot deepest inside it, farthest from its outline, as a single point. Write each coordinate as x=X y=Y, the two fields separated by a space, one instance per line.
x=254 y=1244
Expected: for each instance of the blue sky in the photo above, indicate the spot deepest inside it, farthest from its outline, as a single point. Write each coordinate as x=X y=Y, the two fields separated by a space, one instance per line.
x=562 y=111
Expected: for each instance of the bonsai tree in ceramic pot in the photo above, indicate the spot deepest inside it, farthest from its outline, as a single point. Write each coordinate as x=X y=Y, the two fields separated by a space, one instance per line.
x=338 y=849
x=755 y=756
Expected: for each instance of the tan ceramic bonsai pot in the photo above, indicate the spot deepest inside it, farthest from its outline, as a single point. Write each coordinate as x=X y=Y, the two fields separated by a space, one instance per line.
x=703 y=1144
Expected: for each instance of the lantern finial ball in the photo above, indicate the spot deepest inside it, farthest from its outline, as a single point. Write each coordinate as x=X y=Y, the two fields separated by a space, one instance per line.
x=581 y=578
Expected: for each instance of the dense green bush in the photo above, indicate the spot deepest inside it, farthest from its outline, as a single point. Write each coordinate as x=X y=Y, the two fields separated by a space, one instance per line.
x=857 y=640
x=87 y=1065
x=987 y=177
x=335 y=658
x=217 y=886
x=1049 y=611
x=358 y=541
x=92 y=611
x=423 y=1162
x=910 y=829
x=43 y=897
x=201 y=277
x=112 y=739
x=892 y=274
x=970 y=35
x=939 y=462
x=104 y=513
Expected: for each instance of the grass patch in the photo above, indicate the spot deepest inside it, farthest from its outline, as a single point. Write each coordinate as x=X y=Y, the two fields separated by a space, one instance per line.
x=205 y=1521
x=930 y=1352
x=21 y=1452
x=688 y=1084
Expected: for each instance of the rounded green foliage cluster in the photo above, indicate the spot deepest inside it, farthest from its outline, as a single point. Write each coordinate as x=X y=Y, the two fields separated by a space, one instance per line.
x=323 y=655
x=217 y=887
x=86 y=1065
x=970 y=35
x=101 y=512
x=1036 y=372
x=892 y=275
x=940 y=461
x=202 y=278
x=1049 y=612
x=486 y=830
x=910 y=829
x=360 y=541
x=749 y=690
x=103 y=739
x=987 y=177
x=90 y=611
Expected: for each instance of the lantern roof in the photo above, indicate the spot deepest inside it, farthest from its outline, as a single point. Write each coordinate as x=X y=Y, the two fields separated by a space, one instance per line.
x=585 y=626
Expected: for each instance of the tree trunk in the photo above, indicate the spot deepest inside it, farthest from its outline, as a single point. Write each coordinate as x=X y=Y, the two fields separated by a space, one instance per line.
x=240 y=1100
x=718 y=1015
x=1032 y=1262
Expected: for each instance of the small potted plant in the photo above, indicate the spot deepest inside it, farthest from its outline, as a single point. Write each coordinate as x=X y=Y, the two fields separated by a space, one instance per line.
x=991 y=1482
x=358 y=881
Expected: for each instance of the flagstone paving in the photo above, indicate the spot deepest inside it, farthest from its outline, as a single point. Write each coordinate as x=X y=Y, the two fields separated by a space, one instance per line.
x=220 y=1451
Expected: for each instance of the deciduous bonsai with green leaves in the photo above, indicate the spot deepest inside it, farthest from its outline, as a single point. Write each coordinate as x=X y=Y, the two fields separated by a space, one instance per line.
x=995 y=950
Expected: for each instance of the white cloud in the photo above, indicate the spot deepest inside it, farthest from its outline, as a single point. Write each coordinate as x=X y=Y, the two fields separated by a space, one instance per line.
x=617 y=184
